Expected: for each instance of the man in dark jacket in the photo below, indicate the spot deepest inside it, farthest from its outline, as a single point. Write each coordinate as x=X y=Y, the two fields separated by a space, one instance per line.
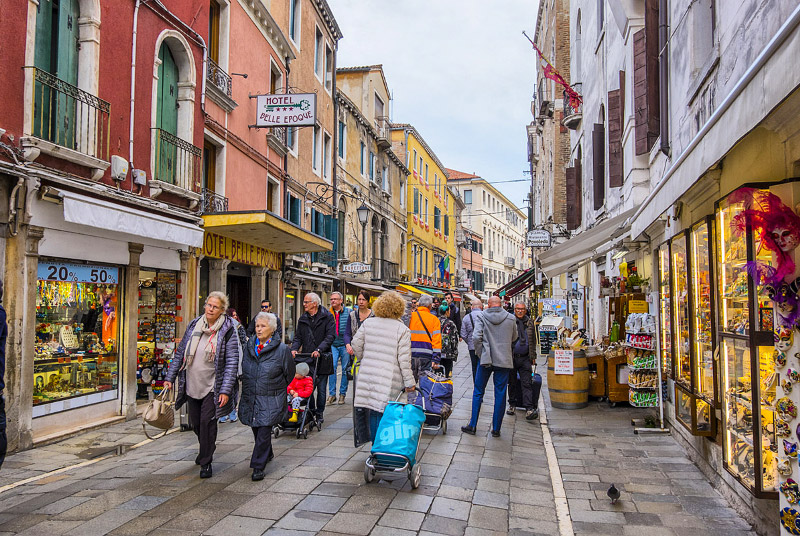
x=455 y=310
x=3 y=334
x=266 y=307
x=314 y=335
x=520 y=390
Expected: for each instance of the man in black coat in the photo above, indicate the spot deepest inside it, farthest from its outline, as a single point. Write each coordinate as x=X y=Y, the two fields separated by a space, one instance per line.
x=520 y=391
x=3 y=335
x=266 y=307
x=455 y=311
x=314 y=335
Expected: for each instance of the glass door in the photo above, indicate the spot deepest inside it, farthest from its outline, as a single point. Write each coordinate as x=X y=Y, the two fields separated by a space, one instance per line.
x=703 y=340
x=680 y=284
x=665 y=310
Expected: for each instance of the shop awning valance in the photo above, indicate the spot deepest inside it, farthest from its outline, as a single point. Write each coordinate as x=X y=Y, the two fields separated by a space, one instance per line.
x=597 y=240
x=518 y=284
x=364 y=285
x=266 y=230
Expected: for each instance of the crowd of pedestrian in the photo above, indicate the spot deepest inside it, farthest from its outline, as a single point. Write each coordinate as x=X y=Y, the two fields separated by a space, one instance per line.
x=383 y=348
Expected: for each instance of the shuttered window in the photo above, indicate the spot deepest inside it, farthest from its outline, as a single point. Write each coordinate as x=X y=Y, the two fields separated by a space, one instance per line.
x=574 y=193
x=615 y=161
x=599 y=164
x=645 y=81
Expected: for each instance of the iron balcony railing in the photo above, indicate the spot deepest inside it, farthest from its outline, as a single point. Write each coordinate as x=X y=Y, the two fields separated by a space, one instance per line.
x=325 y=257
x=390 y=271
x=69 y=117
x=219 y=78
x=382 y=129
x=177 y=161
x=568 y=109
x=278 y=134
x=213 y=203
x=510 y=261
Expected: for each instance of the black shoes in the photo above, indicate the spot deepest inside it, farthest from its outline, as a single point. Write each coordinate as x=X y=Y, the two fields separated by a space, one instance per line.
x=205 y=471
x=511 y=410
x=258 y=474
x=468 y=430
x=495 y=433
x=532 y=415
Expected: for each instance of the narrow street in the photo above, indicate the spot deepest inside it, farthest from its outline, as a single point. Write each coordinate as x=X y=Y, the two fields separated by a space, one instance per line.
x=471 y=485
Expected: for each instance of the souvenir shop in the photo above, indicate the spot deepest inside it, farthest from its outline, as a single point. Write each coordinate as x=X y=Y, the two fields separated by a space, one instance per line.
x=157 y=320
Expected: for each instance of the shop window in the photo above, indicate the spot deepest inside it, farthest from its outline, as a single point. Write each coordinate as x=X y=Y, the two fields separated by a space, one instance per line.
x=665 y=310
x=158 y=306
x=680 y=284
x=77 y=335
x=702 y=306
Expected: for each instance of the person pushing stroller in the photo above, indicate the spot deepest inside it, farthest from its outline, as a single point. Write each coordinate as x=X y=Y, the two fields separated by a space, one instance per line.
x=301 y=387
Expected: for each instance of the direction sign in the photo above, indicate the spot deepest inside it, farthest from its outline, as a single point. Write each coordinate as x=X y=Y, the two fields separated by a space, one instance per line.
x=357 y=268
x=538 y=238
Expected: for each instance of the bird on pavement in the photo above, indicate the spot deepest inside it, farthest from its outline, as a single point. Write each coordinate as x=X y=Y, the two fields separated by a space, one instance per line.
x=613 y=494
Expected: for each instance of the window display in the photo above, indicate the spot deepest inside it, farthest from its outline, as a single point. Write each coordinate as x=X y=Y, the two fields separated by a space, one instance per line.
x=680 y=279
x=76 y=331
x=702 y=301
x=665 y=310
x=156 y=332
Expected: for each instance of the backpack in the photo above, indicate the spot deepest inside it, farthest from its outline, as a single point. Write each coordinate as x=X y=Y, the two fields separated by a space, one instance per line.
x=449 y=340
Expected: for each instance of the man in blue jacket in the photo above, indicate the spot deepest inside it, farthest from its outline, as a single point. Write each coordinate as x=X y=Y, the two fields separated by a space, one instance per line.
x=314 y=334
x=520 y=390
x=341 y=316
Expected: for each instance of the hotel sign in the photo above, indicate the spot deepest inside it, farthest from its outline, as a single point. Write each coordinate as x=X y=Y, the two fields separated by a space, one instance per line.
x=222 y=247
x=286 y=110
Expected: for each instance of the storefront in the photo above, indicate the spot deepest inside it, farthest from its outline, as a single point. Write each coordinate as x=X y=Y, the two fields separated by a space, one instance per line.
x=158 y=313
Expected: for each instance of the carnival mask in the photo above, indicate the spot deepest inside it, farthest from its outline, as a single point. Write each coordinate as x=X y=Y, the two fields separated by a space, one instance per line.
x=790 y=449
x=786 y=408
x=779 y=358
x=784 y=467
x=790 y=490
x=787 y=386
x=793 y=375
x=782 y=428
x=790 y=519
x=785 y=239
x=784 y=337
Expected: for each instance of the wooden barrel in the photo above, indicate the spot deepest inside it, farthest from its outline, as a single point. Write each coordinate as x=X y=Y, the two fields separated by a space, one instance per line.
x=569 y=391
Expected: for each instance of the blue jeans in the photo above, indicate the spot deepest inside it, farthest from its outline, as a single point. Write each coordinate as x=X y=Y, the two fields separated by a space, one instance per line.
x=339 y=354
x=500 y=388
x=374 y=421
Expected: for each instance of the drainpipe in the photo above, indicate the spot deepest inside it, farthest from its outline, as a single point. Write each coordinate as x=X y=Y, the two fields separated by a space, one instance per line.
x=335 y=157
x=133 y=81
x=663 y=76
x=286 y=157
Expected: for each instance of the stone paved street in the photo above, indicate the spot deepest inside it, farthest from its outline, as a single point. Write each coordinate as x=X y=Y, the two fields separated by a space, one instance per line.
x=470 y=485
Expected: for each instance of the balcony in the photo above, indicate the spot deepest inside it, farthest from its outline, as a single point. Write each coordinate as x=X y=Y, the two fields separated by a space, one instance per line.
x=277 y=139
x=176 y=167
x=491 y=255
x=213 y=203
x=67 y=123
x=219 y=86
x=390 y=271
x=382 y=129
x=509 y=262
x=572 y=116
x=325 y=257
x=545 y=105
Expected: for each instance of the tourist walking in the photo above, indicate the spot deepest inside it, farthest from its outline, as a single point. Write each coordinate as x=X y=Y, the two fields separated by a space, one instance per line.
x=241 y=332
x=267 y=369
x=494 y=336
x=426 y=338
x=384 y=346
x=314 y=334
x=266 y=307
x=357 y=317
x=520 y=381
x=206 y=364
x=468 y=328
x=449 y=339
x=341 y=317
x=455 y=311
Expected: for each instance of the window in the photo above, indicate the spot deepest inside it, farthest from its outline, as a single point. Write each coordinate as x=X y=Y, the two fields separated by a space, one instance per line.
x=213 y=31
x=342 y=139
x=315 y=148
x=416 y=201
x=318 y=53
x=294 y=209
x=291 y=138
x=328 y=68
x=426 y=173
x=402 y=195
x=294 y=20
x=371 y=166
x=326 y=155
x=426 y=211
x=437 y=218
x=275 y=79
x=467 y=197
x=209 y=167
x=385 y=177
x=378 y=107
x=273 y=195
x=414 y=161
x=363 y=153
x=446 y=225
x=483 y=202
x=600 y=16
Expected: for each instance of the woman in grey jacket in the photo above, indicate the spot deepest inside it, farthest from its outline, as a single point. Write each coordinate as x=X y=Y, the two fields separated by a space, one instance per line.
x=206 y=364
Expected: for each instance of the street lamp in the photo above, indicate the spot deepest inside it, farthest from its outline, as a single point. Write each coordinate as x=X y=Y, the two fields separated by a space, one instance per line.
x=363 y=214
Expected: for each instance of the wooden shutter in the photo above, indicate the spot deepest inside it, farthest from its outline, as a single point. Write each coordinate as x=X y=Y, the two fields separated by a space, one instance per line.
x=615 y=167
x=646 y=80
x=574 y=194
x=599 y=164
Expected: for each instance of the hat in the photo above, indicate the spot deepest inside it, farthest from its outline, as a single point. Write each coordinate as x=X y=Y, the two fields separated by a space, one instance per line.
x=302 y=369
x=443 y=308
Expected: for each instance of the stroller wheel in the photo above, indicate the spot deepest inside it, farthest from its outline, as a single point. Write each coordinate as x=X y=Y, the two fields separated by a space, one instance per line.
x=305 y=433
x=415 y=476
x=276 y=431
x=299 y=433
x=319 y=426
x=369 y=474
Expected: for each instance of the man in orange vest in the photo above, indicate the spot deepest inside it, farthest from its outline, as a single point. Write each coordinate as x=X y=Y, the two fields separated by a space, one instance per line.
x=426 y=338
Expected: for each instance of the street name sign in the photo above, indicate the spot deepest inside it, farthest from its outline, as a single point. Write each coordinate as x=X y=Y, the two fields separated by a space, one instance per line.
x=538 y=238
x=357 y=268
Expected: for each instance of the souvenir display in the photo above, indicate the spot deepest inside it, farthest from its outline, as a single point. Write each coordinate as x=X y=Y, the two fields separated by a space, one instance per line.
x=790 y=520
x=680 y=284
x=702 y=306
x=786 y=408
x=789 y=448
x=75 y=352
x=787 y=386
x=158 y=308
x=785 y=467
x=790 y=490
x=665 y=311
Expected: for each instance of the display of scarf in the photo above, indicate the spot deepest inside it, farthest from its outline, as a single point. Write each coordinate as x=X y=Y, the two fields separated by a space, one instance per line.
x=201 y=328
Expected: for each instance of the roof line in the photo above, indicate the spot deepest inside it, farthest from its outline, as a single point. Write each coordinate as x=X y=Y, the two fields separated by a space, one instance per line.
x=409 y=127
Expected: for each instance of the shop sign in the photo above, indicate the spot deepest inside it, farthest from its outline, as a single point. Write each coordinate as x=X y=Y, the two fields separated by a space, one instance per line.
x=538 y=238
x=638 y=306
x=286 y=110
x=357 y=268
x=563 y=361
x=78 y=273
x=222 y=247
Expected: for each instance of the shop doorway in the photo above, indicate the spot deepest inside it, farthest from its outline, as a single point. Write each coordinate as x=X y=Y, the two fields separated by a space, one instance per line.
x=239 y=296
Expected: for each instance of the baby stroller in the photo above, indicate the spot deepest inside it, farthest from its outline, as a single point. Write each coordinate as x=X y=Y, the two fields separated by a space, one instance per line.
x=306 y=420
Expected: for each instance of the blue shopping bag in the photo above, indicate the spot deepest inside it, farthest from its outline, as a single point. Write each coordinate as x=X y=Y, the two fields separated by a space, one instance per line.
x=399 y=430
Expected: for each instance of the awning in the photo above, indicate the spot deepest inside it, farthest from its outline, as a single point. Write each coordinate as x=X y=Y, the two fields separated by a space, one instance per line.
x=581 y=247
x=98 y=213
x=422 y=291
x=518 y=284
x=436 y=292
x=266 y=230
x=364 y=285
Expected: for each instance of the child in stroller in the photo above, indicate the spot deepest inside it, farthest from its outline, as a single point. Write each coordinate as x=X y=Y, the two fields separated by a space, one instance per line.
x=300 y=389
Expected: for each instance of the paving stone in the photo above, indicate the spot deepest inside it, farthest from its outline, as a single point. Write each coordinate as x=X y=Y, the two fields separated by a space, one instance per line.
x=485 y=517
x=104 y=523
x=451 y=508
x=455 y=492
x=443 y=525
x=391 y=531
x=143 y=524
x=489 y=498
x=62 y=505
x=143 y=502
x=49 y=528
x=402 y=519
x=290 y=484
x=412 y=502
x=239 y=525
x=304 y=520
x=352 y=523
x=495 y=485
x=268 y=505
x=321 y=503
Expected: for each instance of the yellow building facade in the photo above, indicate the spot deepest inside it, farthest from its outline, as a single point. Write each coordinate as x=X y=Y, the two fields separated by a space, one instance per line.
x=430 y=221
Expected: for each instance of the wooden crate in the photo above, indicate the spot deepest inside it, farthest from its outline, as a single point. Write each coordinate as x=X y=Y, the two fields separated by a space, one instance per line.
x=617 y=392
x=597 y=376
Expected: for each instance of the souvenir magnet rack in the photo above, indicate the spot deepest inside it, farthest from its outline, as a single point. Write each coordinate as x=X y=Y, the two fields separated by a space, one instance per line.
x=659 y=378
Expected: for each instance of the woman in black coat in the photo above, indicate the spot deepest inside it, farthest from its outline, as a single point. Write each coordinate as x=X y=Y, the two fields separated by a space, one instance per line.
x=267 y=370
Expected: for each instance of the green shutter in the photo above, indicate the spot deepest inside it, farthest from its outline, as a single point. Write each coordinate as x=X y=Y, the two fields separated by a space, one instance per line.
x=167 y=114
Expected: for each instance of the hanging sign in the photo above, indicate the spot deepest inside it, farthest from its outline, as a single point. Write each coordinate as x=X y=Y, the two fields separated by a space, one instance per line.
x=286 y=110
x=78 y=273
x=563 y=361
x=638 y=306
x=357 y=268
x=538 y=238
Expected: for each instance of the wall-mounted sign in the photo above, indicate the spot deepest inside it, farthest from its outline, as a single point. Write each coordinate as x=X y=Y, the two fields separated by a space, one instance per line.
x=286 y=110
x=222 y=247
x=357 y=268
x=538 y=238
x=638 y=306
x=563 y=361
x=78 y=273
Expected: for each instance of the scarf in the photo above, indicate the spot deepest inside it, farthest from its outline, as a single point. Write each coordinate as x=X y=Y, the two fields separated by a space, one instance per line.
x=200 y=328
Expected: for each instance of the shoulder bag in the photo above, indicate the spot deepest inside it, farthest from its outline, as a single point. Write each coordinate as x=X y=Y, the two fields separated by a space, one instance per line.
x=160 y=413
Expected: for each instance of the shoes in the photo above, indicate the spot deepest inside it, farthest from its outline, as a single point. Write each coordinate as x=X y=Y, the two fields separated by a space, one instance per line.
x=511 y=410
x=206 y=471
x=223 y=419
x=468 y=430
x=293 y=418
x=532 y=414
x=258 y=474
x=233 y=416
x=331 y=399
x=320 y=418
x=495 y=433
x=341 y=399
x=270 y=457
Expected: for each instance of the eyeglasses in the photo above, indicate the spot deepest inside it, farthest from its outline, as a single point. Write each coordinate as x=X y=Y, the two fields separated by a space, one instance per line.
x=265 y=306
x=212 y=307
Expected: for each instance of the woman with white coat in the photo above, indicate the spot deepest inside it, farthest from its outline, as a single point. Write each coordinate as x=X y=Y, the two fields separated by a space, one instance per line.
x=384 y=344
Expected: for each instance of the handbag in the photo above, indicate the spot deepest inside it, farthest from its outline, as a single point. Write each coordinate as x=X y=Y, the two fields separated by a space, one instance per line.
x=160 y=413
x=325 y=364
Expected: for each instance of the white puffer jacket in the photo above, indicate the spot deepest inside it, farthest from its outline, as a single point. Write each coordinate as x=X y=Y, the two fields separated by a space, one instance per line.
x=384 y=347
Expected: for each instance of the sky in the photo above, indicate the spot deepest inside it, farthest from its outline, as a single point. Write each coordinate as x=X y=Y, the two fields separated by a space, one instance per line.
x=460 y=71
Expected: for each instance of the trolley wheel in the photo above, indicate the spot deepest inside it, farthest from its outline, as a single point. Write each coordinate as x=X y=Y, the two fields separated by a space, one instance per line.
x=276 y=431
x=319 y=426
x=369 y=474
x=305 y=433
x=299 y=433
x=415 y=476
x=612 y=404
x=444 y=426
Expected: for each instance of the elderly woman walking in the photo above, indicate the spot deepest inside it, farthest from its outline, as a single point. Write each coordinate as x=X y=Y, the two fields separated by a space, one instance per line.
x=267 y=370
x=384 y=344
x=206 y=364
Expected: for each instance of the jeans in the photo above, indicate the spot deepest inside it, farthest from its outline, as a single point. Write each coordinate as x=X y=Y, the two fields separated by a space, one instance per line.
x=374 y=421
x=473 y=357
x=203 y=416
x=3 y=438
x=500 y=386
x=339 y=354
x=316 y=404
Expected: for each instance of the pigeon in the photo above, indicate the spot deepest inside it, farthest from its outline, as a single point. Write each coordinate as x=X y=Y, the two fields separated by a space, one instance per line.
x=613 y=494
